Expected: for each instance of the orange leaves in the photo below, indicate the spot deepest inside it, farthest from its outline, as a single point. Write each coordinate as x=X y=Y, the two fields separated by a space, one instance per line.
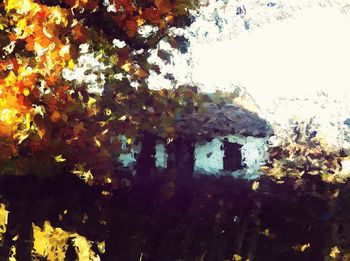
x=80 y=4
x=55 y=116
x=125 y=6
x=151 y=15
x=43 y=41
x=38 y=25
x=15 y=113
x=131 y=27
x=130 y=16
x=159 y=15
x=10 y=63
x=77 y=129
x=163 y=6
x=14 y=118
x=30 y=44
x=141 y=73
x=79 y=32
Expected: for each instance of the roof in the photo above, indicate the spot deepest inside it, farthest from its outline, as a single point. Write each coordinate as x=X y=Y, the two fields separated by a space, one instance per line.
x=221 y=120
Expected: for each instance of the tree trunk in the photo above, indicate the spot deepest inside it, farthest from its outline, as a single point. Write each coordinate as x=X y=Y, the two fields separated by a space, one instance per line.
x=181 y=157
x=146 y=163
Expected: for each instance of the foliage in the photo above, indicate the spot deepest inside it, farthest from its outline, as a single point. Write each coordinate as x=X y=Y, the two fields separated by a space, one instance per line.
x=3 y=220
x=303 y=152
x=50 y=120
x=52 y=243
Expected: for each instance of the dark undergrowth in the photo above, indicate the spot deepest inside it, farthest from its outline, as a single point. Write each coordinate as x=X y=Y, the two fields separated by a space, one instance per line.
x=195 y=218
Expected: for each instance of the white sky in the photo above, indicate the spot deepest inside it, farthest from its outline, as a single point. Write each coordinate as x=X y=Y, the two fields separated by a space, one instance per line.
x=285 y=64
x=298 y=56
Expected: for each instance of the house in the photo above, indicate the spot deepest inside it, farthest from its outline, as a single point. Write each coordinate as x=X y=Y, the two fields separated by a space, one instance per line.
x=228 y=139
x=220 y=139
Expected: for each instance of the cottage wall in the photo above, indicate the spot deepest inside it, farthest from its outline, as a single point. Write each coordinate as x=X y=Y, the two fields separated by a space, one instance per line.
x=161 y=156
x=209 y=156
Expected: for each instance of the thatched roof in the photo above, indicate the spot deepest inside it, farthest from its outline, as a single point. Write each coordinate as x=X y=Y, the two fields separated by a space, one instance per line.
x=221 y=120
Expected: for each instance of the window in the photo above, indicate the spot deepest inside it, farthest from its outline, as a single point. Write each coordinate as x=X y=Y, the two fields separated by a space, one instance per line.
x=232 y=155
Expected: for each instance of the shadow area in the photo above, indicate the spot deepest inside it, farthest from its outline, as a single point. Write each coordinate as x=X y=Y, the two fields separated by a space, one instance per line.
x=200 y=217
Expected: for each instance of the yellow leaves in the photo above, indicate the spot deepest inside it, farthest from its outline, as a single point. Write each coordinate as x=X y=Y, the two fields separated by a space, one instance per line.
x=20 y=6
x=15 y=119
x=328 y=177
x=122 y=118
x=58 y=16
x=3 y=220
x=71 y=64
x=12 y=256
x=83 y=248
x=334 y=252
x=108 y=180
x=19 y=126
x=105 y=193
x=108 y=112
x=26 y=92
x=92 y=107
x=126 y=67
x=83 y=174
x=8 y=116
x=101 y=247
x=302 y=248
x=39 y=109
x=91 y=102
x=266 y=232
x=51 y=243
x=54 y=14
x=59 y=158
x=140 y=21
x=27 y=121
x=97 y=142
x=237 y=257
x=11 y=79
x=255 y=185
x=22 y=23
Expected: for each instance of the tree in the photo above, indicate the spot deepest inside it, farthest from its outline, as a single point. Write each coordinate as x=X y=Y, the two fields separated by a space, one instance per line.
x=52 y=121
